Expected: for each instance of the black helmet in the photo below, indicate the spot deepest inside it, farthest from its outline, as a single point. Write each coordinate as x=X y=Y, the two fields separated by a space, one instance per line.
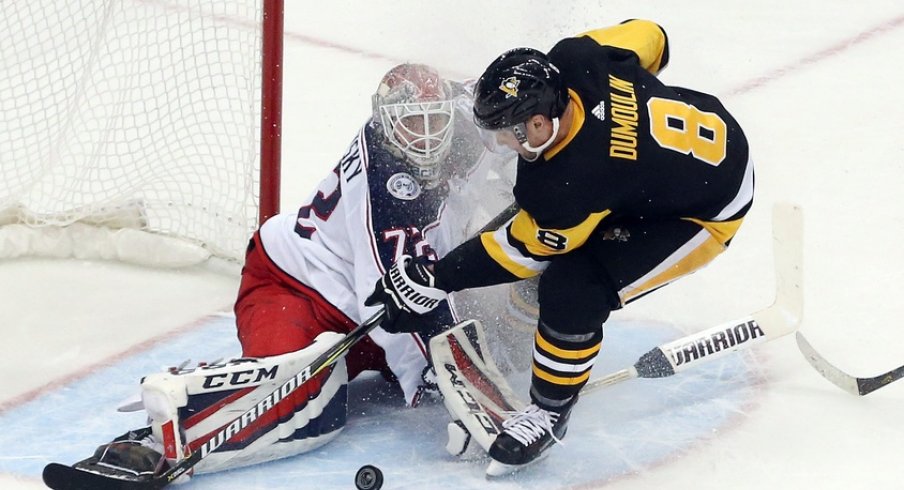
x=520 y=83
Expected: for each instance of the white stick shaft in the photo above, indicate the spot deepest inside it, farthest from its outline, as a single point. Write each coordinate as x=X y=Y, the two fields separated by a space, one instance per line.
x=609 y=380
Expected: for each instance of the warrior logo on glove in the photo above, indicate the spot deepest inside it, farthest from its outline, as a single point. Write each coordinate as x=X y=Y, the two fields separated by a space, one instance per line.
x=406 y=291
x=419 y=303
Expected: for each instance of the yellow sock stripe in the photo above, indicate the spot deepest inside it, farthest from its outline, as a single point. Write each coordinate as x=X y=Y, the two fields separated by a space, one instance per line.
x=565 y=354
x=553 y=365
x=560 y=380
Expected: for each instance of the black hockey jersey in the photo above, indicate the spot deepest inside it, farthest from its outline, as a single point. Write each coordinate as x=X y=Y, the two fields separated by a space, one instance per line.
x=636 y=149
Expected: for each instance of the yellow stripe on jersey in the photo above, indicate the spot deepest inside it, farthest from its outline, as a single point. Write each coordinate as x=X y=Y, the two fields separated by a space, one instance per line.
x=723 y=231
x=701 y=250
x=577 y=122
x=505 y=255
x=543 y=242
x=697 y=258
x=560 y=380
x=563 y=353
x=641 y=36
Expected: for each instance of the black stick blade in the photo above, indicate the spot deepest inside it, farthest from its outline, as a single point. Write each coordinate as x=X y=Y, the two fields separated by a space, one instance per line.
x=851 y=384
x=869 y=385
x=63 y=477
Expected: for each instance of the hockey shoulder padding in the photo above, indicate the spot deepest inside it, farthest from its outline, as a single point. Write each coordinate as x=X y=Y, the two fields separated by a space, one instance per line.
x=474 y=391
x=187 y=406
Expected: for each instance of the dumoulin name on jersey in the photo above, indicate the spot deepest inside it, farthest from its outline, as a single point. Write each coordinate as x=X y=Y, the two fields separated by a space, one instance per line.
x=636 y=149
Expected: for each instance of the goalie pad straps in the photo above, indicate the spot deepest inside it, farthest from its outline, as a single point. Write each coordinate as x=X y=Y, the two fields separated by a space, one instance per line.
x=188 y=406
x=474 y=391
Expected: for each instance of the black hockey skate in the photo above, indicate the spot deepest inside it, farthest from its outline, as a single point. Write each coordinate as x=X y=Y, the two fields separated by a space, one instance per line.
x=525 y=439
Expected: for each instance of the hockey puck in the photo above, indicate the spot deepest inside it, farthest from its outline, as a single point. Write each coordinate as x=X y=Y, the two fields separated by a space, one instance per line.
x=369 y=477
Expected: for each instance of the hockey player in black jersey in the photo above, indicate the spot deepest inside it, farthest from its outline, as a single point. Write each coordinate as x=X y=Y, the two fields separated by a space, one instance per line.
x=625 y=185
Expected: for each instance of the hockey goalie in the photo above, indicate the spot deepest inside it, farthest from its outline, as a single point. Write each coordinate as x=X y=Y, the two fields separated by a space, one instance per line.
x=405 y=188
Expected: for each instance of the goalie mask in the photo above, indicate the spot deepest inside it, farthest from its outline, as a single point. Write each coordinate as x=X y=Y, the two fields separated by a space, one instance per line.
x=414 y=113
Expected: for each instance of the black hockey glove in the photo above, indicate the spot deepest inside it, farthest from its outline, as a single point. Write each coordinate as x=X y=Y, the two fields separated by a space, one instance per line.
x=406 y=291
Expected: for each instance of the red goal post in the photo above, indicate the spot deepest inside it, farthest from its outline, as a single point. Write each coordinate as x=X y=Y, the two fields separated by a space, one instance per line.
x=138 y=130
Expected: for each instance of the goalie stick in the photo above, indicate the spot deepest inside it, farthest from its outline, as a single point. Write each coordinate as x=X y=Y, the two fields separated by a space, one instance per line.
x=851 y=384
x=64 y=477
x=779 y=319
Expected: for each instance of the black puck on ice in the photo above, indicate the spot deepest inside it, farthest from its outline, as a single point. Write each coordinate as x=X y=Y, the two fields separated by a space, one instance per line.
x=369 y=477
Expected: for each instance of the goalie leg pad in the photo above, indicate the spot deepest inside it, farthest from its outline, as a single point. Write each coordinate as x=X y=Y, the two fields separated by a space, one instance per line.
x=461 y=444
x=475 y=393
x=189 y=406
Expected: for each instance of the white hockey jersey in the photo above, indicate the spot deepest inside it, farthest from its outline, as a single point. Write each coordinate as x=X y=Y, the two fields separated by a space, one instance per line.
x=363 y=217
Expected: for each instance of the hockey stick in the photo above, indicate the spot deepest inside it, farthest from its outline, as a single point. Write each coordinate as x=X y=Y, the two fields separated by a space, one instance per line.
x=778 y=320
x=851 y=384
x=60 y=476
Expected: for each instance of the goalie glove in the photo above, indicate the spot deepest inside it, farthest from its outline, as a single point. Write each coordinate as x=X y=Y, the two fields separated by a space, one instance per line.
x=406 y=291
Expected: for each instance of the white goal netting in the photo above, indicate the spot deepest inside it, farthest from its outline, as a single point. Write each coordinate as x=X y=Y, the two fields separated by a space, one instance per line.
x=130 y=114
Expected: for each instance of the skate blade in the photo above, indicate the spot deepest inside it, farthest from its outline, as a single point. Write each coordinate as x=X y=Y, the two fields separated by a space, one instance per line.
x=500 y=470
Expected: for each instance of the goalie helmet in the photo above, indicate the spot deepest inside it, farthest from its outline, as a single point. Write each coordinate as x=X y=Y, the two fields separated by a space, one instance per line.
x=414 y=111
x=518 y=84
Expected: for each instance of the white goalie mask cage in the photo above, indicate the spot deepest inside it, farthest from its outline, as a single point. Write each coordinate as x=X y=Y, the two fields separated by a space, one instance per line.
x=416 y=117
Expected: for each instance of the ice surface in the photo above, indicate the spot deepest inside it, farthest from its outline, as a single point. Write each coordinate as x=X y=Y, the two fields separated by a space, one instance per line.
x=817 y=88
x=628 y=428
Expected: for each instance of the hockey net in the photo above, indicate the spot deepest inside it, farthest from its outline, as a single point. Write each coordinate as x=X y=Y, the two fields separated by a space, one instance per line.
x=131 y=129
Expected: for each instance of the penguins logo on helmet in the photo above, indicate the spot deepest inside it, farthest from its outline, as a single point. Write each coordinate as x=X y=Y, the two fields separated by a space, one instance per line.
x=510 y=86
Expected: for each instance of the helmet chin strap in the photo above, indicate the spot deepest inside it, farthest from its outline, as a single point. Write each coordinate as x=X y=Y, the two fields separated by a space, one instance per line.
x=538 y=150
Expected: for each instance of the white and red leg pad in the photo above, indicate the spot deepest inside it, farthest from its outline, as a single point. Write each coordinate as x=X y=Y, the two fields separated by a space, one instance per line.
x=188 y=406
x=475 y=393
